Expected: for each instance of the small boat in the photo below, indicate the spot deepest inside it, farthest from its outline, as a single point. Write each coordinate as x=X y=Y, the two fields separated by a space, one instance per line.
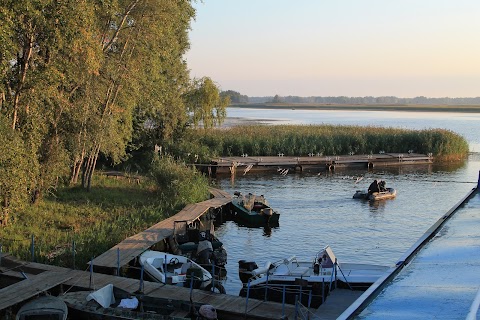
x=177 y=270
x=389 y=193
x=309 y=281
x=196 y=240
x=44 y=307
x=253 y=210
x=111 y=302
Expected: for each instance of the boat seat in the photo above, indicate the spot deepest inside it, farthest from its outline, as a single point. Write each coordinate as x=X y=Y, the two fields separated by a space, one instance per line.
x=158 y=263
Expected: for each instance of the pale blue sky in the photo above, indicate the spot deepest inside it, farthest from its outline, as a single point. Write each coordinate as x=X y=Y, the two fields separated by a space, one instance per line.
x=404 y=48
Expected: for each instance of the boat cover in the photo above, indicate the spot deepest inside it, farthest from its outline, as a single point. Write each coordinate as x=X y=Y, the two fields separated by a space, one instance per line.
x=103 y=296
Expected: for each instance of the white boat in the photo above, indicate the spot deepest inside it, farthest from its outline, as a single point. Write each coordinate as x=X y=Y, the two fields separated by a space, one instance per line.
x=177 y=270
x=309 y=281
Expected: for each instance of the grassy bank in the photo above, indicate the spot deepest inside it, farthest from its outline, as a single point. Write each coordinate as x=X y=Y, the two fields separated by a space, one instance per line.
x=116 y=208
x=300 y=140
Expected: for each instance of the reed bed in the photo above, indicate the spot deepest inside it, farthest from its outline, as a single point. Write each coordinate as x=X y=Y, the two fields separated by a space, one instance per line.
x=301 y=140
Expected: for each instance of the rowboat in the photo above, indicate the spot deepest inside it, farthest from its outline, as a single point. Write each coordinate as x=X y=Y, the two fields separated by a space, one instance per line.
x=44 y=307
x=253 y=210
x=390 y=193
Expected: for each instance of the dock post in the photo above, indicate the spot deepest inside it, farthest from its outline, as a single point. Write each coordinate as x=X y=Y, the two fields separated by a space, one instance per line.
x=309 y=298
x=141 y=280
x=296 y=307
x=118 y=261
x=213 y=277
x=246 y=301
x=0 y=254
x=91 y=273
x=266 y=288
x=73 y=253
x=283 y=302
x=323 y=290
x=32 y=248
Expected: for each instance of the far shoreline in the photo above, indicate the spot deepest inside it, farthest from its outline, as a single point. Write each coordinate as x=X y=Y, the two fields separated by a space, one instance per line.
x=362 y=107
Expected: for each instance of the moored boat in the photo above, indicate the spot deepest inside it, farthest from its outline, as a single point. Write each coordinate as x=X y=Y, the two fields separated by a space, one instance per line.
x=253 y=210
x=44 y=307
x=308 y=281
x=177 y=270
x=389 y=193
x=110 y=302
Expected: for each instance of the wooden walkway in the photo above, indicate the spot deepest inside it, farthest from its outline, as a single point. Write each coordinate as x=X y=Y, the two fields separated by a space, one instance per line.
x=226 y=164
x=132 y=247
x=44 y=277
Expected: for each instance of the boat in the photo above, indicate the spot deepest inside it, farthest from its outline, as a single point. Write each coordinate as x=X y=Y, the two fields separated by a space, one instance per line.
x=177 y=270
x=110 y=302
x=253 y=210
x=389 y=193
x=308 y=281
x=44 y=307
x=196 y=240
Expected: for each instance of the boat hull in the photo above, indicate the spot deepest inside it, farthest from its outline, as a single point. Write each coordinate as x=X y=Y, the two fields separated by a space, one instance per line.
x=389 y=194
x=259 y=215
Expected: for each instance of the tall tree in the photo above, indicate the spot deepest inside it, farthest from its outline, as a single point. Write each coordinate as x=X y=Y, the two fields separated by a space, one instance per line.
x=205 y=104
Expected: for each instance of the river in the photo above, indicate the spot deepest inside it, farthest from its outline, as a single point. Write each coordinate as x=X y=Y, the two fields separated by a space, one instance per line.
x=317 y=209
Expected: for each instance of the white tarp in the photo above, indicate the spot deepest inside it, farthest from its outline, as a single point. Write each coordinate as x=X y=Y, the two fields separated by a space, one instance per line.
x=103 y=296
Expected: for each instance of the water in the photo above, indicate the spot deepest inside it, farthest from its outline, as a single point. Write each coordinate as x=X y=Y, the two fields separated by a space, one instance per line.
x=318 y=209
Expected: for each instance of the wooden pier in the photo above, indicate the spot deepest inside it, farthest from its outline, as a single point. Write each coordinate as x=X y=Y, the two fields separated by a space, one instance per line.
x=34 y=278
x=130 y=248
x=247 y=163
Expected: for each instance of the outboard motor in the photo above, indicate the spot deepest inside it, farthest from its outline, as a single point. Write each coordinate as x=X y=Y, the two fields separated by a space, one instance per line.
x=245 y=269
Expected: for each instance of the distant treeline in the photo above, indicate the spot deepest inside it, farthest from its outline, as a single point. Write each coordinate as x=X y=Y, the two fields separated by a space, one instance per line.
x=236 y=97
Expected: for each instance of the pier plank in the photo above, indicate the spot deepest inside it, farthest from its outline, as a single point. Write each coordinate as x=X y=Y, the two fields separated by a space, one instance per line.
x=34 y=285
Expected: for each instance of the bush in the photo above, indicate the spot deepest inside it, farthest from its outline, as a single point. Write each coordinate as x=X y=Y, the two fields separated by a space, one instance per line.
x=179 y=185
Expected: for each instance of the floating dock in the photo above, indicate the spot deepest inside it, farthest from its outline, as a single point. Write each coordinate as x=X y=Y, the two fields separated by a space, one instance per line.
x=247 y=163
x=437 y=278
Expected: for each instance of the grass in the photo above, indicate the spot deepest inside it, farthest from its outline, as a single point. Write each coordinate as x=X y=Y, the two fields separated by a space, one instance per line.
x=114 y=210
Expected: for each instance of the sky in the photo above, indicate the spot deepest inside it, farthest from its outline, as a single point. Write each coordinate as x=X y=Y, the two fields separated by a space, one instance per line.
x=403 y=48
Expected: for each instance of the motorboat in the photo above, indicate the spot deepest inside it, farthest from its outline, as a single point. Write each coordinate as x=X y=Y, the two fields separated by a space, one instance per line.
x=44 y=307
x=196 y=240
x=253 y=210
x=309 y=281
x=177 y=270
x=389 y=193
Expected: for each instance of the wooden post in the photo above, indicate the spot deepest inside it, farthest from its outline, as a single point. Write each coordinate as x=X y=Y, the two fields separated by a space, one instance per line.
x=118 y=261
x=32 y=248
x=73 y=252
x=91 y=273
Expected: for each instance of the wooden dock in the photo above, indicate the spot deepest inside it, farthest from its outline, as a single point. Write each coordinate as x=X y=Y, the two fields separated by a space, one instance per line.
x=317 y=162
x=130 y=248
x=42 y=277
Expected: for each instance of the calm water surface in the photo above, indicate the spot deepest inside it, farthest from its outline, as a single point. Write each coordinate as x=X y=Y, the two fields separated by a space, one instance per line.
x=318 y=209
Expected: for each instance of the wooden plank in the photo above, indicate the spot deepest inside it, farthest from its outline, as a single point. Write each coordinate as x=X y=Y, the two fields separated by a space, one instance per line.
x=31 y=287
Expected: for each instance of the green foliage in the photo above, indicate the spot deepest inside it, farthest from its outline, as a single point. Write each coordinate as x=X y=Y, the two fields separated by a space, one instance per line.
x=17 y=170
x=301 y=140
x=179 y=185
x=205 y=104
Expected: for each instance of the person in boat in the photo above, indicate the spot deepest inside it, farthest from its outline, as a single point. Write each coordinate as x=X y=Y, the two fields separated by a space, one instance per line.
x=381 y=186
x=373 y=187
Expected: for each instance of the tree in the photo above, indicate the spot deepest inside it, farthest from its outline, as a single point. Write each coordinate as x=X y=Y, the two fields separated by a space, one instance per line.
x=205 y=104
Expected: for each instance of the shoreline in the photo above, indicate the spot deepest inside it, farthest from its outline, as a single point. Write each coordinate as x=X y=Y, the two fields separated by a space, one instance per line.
x=360 y=107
